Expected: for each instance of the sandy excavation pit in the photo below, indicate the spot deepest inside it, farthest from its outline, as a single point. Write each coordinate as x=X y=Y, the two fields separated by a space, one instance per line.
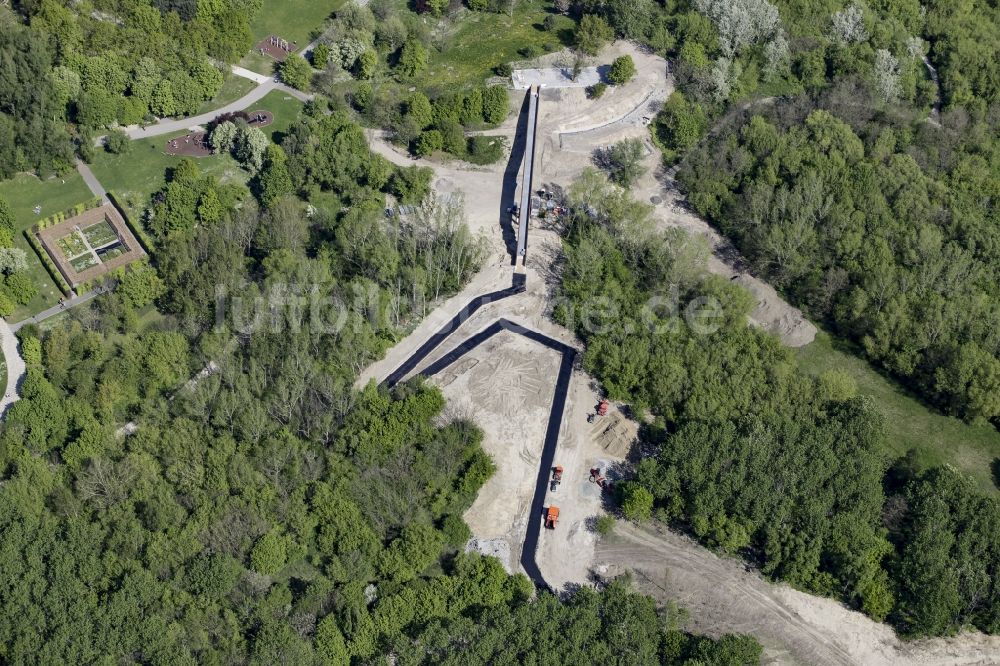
x=506 y=386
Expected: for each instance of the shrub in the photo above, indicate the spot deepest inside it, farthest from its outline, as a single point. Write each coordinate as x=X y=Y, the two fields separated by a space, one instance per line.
x=496 y=104
x=428 y=142
x=550 y=22
x=362 y=96
x=622 y=70
x=530 y=51
x=455 y=531
x=320 y=56
x=485 y=149
x=597 y=90
x=605 y=525
x=21 y=288
x=296 y=72
x=117 y=142
x=366 y=65
x=7 y=305
x=477 y=5
x=503 y=69
x=31 y=350
x=410 y=184
x=593 y=33
x=412 y=58
x=636 y=501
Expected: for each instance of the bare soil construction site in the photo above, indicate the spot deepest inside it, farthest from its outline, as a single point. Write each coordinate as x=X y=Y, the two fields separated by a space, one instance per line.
x=500 y=361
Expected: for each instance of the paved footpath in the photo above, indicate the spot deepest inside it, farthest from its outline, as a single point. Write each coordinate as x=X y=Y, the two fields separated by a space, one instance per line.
x=91 y=180
x=15 y=366
x=58 y=309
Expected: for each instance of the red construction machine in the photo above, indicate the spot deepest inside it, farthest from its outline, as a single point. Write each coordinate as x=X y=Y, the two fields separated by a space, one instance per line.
x=551 y=517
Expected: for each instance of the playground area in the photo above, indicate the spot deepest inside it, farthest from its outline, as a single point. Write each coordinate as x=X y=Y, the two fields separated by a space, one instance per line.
x=89 y=245
x=276 y=47
x=195 y=144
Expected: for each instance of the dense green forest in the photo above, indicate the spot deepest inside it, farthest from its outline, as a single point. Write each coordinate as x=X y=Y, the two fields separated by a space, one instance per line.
x=266 y=511
x=107 y=62
x=864 y=191
x=754 y=456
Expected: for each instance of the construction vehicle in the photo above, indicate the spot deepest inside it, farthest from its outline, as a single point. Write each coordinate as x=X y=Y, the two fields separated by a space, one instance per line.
x=551 y=517
x=596 y=476
x=556 y=477
x=602 y=410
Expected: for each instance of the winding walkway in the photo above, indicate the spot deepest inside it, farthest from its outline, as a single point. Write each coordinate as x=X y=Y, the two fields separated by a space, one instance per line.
x=15 y=366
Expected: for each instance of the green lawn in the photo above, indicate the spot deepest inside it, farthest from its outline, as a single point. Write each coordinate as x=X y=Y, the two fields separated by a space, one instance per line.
x=136 y=175
x=294 y=20
x=479 y=41
x=232 y=89
x=54 y=195
x=285 y=109
x=936 y=438
x=258 y=63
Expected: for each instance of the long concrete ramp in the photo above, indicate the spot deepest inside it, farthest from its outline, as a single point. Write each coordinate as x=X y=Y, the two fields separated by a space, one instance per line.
x=527 y=173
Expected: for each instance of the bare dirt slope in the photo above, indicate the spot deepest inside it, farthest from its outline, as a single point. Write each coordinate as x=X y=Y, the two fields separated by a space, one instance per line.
x=721 y=596
x=571 y=127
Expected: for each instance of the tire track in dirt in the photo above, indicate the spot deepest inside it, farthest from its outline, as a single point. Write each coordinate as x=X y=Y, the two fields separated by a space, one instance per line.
x=723 y=596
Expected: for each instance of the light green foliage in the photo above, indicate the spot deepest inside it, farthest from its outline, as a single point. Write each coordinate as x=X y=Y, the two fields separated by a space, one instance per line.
x=496 y=104
x=418 y=107
x=605 y=525
x=679 y=125
x=7 y=223
x=31 y=350
x=412 y=59
x=140 y=286
x=722 y=438
x=296 y=72
x=273 y=180
x=269 y=553
x=117 y=142
x=907 y=330
x=321 y=55
x=410 y=184
x=436 y=7
x=636 y=502
x=366 y=65
x=623 y=161
x=429 y=142
x=592 y=34
x=622 y=70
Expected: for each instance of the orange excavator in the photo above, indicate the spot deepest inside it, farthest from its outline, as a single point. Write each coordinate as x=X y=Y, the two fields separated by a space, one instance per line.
x=551 y=517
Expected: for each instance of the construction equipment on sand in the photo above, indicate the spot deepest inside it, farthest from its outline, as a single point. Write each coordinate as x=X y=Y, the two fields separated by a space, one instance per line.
x=602 y=410
x=556 y=477
x=551 y=517
x=596 y=476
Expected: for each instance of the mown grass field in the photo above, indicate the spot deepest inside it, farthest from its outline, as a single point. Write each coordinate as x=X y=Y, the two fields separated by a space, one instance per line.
x=294 y=20
x=54 y=195
x=472 y=43
x=937 y=439
x=135 y=176
x=232 y=89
